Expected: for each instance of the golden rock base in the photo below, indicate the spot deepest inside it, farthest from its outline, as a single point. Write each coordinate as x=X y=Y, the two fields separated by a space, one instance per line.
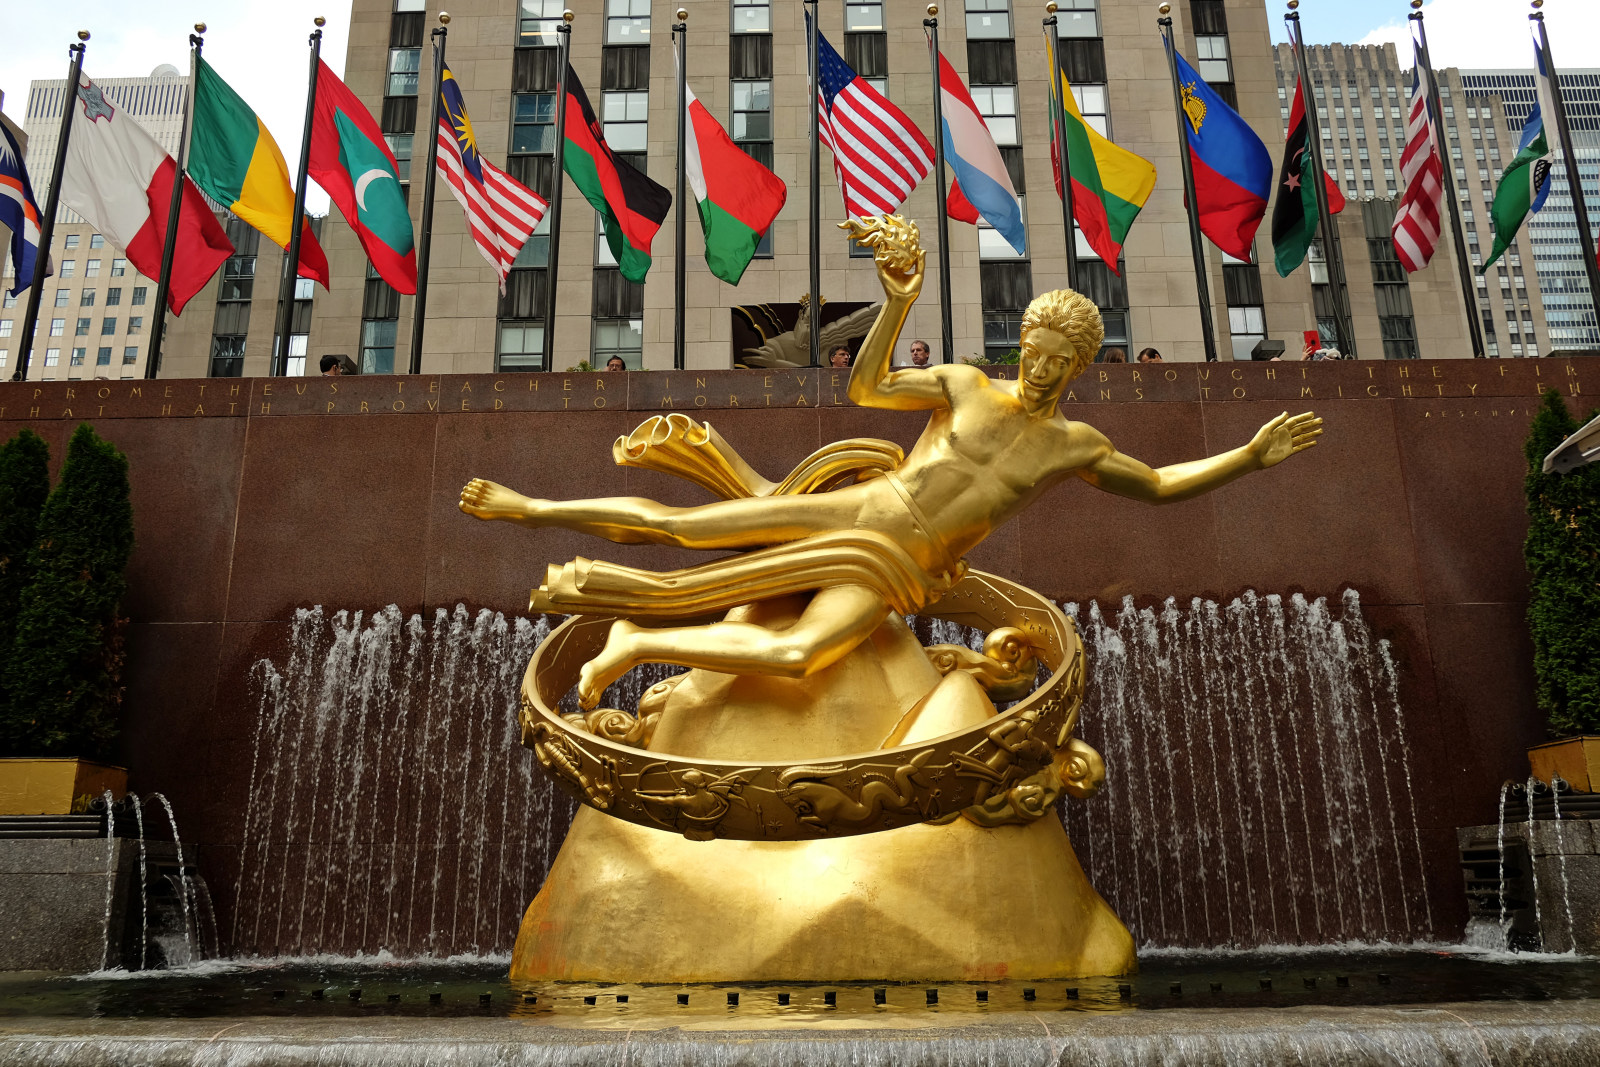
x=957 y=902
x=921 y=903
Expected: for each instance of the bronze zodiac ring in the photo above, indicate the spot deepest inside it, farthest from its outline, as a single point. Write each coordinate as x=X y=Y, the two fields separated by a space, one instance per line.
x=1007 y=769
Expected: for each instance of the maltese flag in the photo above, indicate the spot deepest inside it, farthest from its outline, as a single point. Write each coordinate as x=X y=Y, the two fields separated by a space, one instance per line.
x=981 y=186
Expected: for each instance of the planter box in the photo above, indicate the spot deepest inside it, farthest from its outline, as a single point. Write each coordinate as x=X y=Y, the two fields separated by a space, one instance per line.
x=1576 y=759
x=56 y=786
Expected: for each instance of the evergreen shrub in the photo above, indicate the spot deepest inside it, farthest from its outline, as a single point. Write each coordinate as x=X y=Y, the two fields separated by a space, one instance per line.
x=1563 y=557
x=24 y=485
x=63 y=674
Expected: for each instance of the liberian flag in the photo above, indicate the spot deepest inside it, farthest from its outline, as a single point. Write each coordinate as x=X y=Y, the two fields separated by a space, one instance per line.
x=120 y=179
x=738 y=197
x=982 y=186
x=18 y=211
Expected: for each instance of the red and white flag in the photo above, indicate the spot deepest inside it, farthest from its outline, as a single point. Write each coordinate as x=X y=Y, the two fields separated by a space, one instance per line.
x=879 y=155
x=119 y=177
x=1417 y=221
x=501 y=212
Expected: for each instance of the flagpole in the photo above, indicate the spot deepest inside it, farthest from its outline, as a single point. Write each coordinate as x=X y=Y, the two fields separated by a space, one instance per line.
x=814 y=300
x=158 y=331
x=1435 y=116
x=1331 y=258
x=1197 y=248
x=680 y=31
x=557 y=180
x=945 y=330
x=47 y=225
x=420 y=306
x=1058 y=105
x=1570 y=155
x=291 y=262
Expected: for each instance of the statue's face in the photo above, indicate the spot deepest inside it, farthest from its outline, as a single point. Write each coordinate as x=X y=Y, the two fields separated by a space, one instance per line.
x=1048 y=362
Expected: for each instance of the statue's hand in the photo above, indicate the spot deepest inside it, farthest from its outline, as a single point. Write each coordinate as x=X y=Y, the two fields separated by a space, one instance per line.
x=896 y=253
x=1284 y=436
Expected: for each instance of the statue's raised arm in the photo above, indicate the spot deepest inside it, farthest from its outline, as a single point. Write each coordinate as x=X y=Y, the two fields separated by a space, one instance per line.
x=899 y=258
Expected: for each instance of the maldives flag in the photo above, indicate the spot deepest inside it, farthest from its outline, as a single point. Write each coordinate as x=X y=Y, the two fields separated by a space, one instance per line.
x=120 y=179
x=352 y=162
x=631 y=206
x=738 y=197
x=1294 y=213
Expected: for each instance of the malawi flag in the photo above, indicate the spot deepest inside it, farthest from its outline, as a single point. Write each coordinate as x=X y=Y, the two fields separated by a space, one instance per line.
x=1294 y=214
x=119 y=178
x=738 y=197
x=1109 y=184
x=352 y=162
x=631 y=206
x=1232 y=170
x=236 y=162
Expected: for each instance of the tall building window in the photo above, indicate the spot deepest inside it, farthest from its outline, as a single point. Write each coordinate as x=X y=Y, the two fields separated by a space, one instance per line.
x=102 y=357
x=135 y=324
x=97 y=240
x=404 y=63
x=139 y=292
x=91 y=269
x=77 y=357
x=624 y=117
x=113 y=296
x=752 y=119
x=130 y=355
x=988 y=19
x=1212 y=61
x=69 y=269
x=108 y=326
x=86 y=298
x=537 y=22
x=998 y=106
x=119 y=267
x=63 y=297
x=83 y=326
x=71 y=241
x=400 y=145
x=863 y=17
x=1077 y=18
x=58 y=327
x=232 y=318
x=627 y=22
x=52 y=357
x=752 y=16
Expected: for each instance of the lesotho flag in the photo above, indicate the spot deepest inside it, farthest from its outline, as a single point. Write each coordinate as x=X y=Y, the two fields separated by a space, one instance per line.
x=1526 y=182
x=1232 y=170
x=352 y=162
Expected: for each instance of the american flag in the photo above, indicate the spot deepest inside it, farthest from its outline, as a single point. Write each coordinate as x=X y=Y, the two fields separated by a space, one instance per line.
x=879 y=155
x=1417 y=222
x=501 y=211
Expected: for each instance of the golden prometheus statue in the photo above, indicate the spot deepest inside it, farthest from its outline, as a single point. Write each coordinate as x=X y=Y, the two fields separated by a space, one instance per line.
x=819 y=798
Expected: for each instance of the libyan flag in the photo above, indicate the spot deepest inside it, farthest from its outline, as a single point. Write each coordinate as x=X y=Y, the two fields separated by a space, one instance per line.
x=1294 y=214
x=631 y=206
x=738 y=197
x=353 y=164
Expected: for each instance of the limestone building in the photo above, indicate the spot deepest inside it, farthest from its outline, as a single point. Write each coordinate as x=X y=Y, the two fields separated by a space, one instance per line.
x=747 y=63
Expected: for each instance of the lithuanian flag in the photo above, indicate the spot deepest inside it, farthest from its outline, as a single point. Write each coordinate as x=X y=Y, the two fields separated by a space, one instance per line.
x=235 y=161
x=631 y=206
x=1109 y=184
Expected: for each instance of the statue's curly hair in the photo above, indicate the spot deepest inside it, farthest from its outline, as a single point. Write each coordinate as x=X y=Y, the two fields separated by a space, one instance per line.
x=1072 y=315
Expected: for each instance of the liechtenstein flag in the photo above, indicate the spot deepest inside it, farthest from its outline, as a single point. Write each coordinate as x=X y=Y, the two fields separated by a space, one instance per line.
x=982 y=187
x=1232 y=170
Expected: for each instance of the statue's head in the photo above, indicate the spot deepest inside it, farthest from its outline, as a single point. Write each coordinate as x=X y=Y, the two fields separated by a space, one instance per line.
x=1061 y=333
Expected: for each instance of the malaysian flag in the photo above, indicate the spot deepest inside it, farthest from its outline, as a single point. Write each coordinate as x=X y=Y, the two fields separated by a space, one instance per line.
x=879 y=155
x=1417 y=222
x=501 y=211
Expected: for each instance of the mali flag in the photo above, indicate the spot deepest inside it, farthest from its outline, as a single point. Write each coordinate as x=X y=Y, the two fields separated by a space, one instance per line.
x=352 y=162
x=235 y=161
x=631 y=206
x=1109 y=184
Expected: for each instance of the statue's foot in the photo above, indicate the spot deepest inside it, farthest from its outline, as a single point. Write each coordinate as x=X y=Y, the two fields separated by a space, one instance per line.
x=614 y=660
x=484 y=499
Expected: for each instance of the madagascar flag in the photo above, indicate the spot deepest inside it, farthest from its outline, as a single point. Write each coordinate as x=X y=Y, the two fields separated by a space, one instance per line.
x=235 y=161
x=1232 y=170
x=630 y=204
x=1294 y=214
x=352 y=162
x=738 y=196
x=1109 y=184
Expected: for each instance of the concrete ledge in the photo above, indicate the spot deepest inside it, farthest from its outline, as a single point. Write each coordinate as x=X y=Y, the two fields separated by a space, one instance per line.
x=1549 y=1034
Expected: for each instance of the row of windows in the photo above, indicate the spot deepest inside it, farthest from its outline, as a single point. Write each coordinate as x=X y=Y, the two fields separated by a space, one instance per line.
x=86 y=297
x=58 y=327
x=78 y=357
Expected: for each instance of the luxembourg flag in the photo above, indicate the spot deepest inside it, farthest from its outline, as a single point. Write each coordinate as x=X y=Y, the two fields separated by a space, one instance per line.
x=981 y=186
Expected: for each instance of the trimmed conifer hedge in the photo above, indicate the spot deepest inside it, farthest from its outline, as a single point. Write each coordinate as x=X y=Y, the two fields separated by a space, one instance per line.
x=24 y=486
x=63 y=675
x=1563 y=557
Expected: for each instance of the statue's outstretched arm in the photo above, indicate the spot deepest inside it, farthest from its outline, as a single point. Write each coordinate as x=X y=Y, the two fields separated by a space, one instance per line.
x=900 y=263
x=1125 y=476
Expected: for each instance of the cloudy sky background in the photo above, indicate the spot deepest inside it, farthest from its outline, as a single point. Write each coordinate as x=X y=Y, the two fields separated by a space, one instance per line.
x=259 y=46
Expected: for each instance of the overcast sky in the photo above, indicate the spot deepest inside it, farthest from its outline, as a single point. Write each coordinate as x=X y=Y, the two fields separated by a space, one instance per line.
x=259 y=46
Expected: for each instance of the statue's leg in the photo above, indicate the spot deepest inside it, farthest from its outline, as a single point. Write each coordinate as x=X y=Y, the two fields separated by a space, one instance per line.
x=636 y=520
x=835 y=622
